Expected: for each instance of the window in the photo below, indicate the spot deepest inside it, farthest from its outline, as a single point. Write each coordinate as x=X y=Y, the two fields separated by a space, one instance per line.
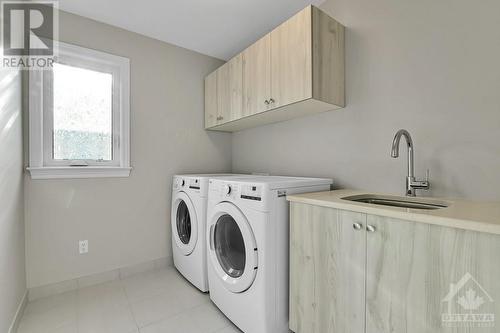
x=82 y=114
x=79 y=116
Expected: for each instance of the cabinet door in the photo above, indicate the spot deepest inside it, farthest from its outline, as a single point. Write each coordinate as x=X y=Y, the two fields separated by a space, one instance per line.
x=211 y=100
x=257 y=77
x=418 y=275
x=291 y=60
x=229 y=90
x=327 y=270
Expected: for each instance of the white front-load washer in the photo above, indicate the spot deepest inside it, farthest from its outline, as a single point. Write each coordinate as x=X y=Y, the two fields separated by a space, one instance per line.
x=247 y=234
x=188 y=224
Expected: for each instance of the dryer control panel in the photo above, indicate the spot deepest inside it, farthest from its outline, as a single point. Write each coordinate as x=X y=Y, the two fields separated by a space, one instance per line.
x=194 y=183
x=185 y=183
x=178 y=183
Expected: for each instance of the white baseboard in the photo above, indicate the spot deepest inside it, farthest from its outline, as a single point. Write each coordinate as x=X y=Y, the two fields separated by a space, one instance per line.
x=19 y=313
x=97 y=278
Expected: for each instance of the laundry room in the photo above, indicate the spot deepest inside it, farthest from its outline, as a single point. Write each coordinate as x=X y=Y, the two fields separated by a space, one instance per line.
x=306 y=166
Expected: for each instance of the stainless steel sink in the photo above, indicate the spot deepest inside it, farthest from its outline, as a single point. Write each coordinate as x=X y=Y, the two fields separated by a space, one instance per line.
x=394 y=201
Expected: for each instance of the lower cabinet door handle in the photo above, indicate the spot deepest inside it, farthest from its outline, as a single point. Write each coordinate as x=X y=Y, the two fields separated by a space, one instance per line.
x=370 y=228
x=357 y=226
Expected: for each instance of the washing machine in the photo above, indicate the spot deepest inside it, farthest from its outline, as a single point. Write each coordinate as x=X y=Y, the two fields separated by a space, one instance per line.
x=188 y=224
x=248 y=238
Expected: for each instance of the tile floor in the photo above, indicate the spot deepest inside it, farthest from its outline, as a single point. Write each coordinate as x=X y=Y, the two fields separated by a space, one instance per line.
x=157 y=301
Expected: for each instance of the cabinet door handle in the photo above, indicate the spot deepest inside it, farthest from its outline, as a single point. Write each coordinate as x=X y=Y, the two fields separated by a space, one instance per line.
x=357 y=226
x=266 y=102
x=370 y=228
x=271 y=101
x=220 y=118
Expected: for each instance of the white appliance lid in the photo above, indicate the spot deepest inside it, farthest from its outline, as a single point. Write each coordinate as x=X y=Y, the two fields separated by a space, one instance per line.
x=281 y=182
x=208 y=175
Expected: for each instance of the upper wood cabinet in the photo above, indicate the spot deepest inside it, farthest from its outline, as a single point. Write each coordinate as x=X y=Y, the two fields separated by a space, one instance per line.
x=229 y=90
x=257 y=77
x=223 y=93
x=211 y=100
x=291 y=62
x=295 y=70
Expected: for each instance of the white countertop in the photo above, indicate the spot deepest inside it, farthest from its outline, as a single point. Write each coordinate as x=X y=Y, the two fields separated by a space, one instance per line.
x=468 y=215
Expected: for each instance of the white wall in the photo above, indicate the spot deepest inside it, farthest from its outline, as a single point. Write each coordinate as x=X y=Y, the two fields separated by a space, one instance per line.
x=429 y=66
x=12 y=263
x=126 y=220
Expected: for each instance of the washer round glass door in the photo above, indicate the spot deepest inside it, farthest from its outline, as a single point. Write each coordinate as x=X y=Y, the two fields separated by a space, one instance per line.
x=184 y=223
x=232 y=248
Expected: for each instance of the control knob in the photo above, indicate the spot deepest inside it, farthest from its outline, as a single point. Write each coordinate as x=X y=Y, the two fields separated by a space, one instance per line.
x=227 y=189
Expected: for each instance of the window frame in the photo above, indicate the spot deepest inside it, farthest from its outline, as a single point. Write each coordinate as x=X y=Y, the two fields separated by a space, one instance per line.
x=42 y=164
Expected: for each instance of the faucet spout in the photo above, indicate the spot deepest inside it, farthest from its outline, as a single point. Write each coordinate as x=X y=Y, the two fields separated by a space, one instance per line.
x=411 y=183
x=395 y=149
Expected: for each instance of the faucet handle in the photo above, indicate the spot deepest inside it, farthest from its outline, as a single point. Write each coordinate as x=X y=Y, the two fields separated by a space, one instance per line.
x=420 y=184
x=425 y=185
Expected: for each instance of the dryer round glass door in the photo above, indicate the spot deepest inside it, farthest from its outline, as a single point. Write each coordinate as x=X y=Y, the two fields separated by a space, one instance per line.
x=233 y=250
x=184 y=223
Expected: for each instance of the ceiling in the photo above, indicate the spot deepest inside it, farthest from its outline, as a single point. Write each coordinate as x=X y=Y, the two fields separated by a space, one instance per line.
x=219 y=28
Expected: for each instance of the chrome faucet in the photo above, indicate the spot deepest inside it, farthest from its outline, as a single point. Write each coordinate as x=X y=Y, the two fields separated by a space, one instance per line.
x=411 y=183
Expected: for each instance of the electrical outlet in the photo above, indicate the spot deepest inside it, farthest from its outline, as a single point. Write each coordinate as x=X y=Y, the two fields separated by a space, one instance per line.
x=83 y=246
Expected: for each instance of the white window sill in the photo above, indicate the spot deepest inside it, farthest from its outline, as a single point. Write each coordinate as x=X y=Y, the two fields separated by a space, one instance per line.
x=78 y=172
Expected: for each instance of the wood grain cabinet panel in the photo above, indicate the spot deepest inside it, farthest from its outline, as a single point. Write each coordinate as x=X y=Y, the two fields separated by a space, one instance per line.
x=229 y=90
x=328 y=59
x=211 y=100
x=411 y=268
x=291 y=60
x=295 y=70
x=257 y=77
x=327 y=270
x=390 y=275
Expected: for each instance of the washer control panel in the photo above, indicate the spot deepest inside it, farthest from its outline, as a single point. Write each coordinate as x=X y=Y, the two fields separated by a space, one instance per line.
x=251 y=192
x=241 y=191
x=244 y=194
x=229 y=190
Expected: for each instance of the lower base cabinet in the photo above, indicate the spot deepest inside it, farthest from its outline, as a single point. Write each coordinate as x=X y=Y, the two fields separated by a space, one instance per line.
x=351 y=272
x=327 y=270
